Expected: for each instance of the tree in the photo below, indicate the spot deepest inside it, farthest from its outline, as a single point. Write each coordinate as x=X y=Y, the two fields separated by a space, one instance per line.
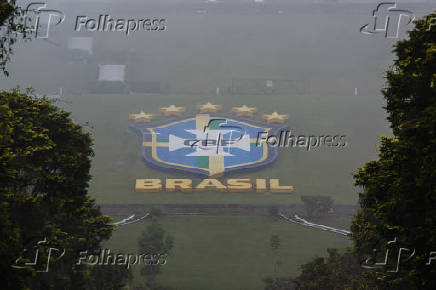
x=337 y=271
x=275 y=245
x=399 y=189
x=275 y=242
x=44 y=174
x=279 y=284
x=156 y=242
x=317 y=206
x=111 y=277
x=13 y=27
x=274 y=212
x=156 y=212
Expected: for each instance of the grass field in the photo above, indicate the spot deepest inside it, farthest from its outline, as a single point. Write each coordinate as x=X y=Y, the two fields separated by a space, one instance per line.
x=229 y=253
x=317 y=43
x=322 y=171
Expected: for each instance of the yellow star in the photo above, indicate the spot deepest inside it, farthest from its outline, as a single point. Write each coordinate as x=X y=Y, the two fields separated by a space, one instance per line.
x=209 y=108
x=172 y=110
x=141 y=117
x=275 y=118
x=244 y=111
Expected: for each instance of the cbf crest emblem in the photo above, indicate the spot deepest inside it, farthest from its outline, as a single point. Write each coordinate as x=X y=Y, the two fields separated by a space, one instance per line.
x=207 y=144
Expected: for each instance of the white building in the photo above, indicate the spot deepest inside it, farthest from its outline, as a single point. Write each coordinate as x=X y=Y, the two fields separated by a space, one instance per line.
x=81 y=43
x=111 y=72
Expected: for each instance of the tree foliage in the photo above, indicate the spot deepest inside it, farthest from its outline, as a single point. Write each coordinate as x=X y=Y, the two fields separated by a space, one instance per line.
x=113 y=277
x=44 y=173
x=154 y=241
x=317 y=206
x=275 y=245
x=13 y=27
x=399 y=189
x=337 y=271
x=398 y=195
x=279 y=284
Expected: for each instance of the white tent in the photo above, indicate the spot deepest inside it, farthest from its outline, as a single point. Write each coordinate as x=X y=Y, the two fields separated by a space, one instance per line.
x=81 y=43
x=111 y=72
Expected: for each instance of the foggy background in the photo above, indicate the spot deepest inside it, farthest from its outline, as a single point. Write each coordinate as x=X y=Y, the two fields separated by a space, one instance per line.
x=206 y=46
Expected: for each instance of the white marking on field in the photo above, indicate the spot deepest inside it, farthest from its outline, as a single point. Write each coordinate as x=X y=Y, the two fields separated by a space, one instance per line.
x=304 y=222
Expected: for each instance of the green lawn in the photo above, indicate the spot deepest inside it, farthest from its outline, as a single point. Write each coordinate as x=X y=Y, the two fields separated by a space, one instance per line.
x=323 y=171
x=228 y=252
x=190 y=62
